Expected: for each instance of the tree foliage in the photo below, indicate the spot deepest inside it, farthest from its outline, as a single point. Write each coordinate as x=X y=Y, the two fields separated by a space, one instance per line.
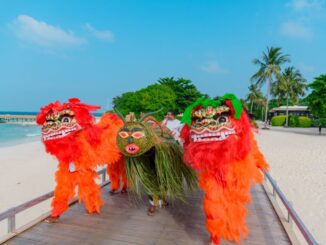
x=290 y=85
x=253 y=96
x=317 y=98
x=168 y=93
x=185 y=91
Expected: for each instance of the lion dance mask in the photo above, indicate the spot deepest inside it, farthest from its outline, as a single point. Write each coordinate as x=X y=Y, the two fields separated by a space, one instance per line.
x=220 y=145
x=70 y=134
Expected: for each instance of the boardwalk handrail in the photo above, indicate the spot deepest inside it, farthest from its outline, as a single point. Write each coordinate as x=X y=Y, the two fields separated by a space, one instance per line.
x=292 y=214
x=11 y=213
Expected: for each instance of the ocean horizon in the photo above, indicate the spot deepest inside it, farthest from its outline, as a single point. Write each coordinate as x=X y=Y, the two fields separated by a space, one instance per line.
x=97 y=114
x=19 y=132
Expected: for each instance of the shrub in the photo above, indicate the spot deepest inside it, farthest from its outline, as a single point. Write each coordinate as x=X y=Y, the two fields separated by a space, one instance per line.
x=304 y=122
x=278 y=120
x=293 y=121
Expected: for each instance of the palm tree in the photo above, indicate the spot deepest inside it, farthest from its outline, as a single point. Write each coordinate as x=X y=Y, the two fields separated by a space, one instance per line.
x=261 y=104
x=253 y=95
x=289 y=86
x=269 y=67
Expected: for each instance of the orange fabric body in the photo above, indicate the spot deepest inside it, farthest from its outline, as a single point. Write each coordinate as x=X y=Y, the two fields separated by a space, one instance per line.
x=107 y=151
x=83 y=178
x=91 y=155
x=117 y=174
x=224 y=204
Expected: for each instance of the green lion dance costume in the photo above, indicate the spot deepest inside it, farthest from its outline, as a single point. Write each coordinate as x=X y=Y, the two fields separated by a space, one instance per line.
x=154 y=161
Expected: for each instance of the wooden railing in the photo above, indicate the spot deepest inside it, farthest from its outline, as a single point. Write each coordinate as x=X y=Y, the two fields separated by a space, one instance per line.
x=11 y=213
x=291 y=215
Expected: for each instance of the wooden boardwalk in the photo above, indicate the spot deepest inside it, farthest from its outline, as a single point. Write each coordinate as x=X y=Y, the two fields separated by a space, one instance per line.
x=122 y=223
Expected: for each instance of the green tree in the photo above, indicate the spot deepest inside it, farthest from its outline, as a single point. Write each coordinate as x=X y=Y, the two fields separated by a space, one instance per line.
x=253 y=95
x=317 y=98
x=185 y=91
x=269 y=68
x=151 y=98
x=289 y=86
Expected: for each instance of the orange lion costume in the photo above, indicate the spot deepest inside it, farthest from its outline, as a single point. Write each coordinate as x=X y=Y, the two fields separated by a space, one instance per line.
x=70 y=134
x=219 y=143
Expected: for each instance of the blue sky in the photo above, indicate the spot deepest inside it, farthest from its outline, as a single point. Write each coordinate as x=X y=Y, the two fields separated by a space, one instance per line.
x=96 y=50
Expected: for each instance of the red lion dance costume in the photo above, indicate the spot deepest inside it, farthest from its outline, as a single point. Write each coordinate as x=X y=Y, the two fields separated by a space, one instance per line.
x=70 y=134
x=219 y=143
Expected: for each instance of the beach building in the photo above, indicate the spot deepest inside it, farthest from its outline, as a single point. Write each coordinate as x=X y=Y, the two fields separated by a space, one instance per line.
x=296 y=110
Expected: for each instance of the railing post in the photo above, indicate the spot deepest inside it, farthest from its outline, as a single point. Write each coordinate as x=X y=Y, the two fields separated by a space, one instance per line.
x=290 y=221
x=103 y=177
x=12 y=223
x=274 y=192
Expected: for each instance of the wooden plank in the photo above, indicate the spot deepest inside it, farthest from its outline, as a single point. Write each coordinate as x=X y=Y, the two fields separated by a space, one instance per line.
x=121 y=222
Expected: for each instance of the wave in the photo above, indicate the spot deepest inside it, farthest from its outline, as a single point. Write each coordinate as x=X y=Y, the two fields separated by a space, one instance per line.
x=33 y=135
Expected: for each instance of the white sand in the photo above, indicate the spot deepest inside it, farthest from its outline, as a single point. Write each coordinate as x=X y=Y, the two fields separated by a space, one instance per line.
x=26 y=172
x=298 y=164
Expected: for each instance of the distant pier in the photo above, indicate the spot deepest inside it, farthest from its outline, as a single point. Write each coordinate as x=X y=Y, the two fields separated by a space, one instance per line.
x=10 y=118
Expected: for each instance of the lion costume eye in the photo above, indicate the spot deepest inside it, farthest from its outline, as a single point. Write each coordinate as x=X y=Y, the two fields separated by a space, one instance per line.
x=222 y=119
x=138 y=135
x=123 y=134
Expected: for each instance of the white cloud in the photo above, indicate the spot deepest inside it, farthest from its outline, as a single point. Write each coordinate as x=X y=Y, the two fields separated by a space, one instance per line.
x=41 y=33
x=296 y=30
x=104 y=35
x=212 y=66
x=302 y=5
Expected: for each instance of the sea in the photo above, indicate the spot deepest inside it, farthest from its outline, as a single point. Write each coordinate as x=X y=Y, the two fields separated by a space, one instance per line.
x=17 y=133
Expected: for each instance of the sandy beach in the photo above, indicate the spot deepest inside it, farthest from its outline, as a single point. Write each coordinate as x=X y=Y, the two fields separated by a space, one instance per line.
x=298 y=164
x=26 y=172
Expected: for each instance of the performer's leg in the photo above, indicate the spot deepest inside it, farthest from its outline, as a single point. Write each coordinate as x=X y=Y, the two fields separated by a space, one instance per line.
x=113 y=172
x=224 y=204
x=123 y=177
x=89 y=191
x=64 y=191
x=153 y=204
